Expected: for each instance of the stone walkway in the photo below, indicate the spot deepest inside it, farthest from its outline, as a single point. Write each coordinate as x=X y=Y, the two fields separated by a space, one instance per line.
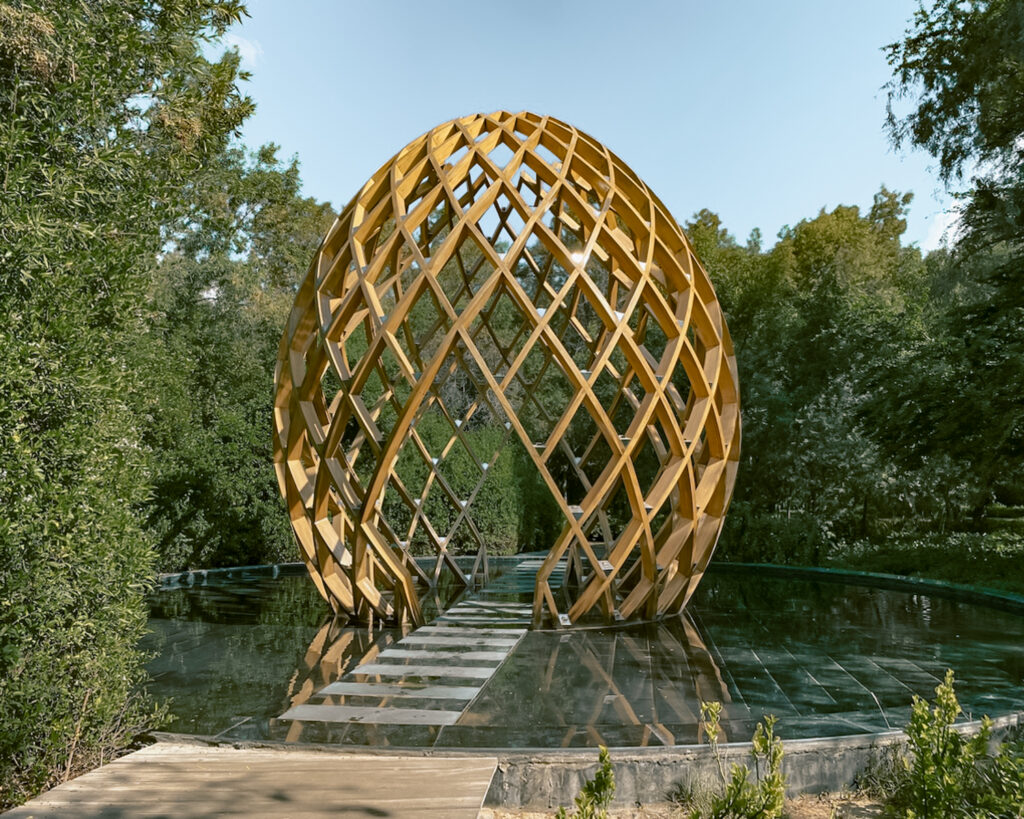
x=432 y=675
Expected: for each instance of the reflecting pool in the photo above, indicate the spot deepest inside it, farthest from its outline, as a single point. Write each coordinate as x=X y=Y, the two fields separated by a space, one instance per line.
x=827 y=659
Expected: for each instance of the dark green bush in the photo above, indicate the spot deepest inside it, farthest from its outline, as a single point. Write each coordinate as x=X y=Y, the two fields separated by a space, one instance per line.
x=751 y=536
x=107 y=108
x=1010 y=525
x=948 y=774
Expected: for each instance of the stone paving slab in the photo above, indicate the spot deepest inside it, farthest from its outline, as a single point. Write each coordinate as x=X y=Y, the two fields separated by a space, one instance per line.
x=503 y=633
x=170 y=780
x=378 y=716
x=416 y=691
x=430 y=639
x=415 y=654
x=452 y=672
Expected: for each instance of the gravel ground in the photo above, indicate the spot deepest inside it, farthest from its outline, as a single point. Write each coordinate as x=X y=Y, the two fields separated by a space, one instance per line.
x=826 y=806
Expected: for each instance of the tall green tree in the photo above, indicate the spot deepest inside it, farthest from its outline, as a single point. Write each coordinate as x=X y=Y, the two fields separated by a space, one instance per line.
x=219 y=301
x=812 y=319
x=961 y=65
x=107 y=109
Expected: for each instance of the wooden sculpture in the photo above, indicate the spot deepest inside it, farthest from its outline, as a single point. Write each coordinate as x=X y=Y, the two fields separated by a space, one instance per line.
x=507 y=273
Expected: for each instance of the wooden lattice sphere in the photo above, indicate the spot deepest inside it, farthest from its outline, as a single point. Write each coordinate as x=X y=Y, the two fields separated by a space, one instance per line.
x=506 y=287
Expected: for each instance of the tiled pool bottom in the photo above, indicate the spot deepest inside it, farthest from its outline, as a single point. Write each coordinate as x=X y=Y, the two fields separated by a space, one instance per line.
x=827 y=659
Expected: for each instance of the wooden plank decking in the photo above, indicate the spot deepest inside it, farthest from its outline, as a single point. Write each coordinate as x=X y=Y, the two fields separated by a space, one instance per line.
x=168 y=780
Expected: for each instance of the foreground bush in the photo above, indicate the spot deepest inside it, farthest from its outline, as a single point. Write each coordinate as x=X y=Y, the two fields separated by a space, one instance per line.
x=596 y=794
x=737 y=795
x=107 y=108
x=951 y=775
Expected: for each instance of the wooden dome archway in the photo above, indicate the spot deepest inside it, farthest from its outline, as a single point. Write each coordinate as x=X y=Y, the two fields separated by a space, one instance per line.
x=507 y=272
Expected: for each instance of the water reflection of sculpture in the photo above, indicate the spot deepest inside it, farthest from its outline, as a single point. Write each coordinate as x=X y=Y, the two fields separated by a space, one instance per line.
x=652 y=677
x=338 y=648
x=666 y=646
x=518 y=259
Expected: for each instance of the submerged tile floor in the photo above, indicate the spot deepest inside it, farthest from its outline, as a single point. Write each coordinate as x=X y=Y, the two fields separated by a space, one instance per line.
x=429 y=678
x=827 y=659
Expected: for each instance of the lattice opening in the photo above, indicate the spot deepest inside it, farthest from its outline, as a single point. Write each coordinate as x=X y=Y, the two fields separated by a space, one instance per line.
x=460 y=358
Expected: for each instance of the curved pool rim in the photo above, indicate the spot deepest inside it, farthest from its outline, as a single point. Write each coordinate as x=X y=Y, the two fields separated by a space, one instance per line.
x=980 y=595
x=545 y=778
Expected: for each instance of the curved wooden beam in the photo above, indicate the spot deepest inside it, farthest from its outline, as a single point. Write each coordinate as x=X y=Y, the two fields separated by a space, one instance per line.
x=507 y=271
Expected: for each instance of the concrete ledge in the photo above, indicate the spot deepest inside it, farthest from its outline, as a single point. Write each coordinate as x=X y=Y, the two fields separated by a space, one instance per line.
x=543 y=779
x=547 y=780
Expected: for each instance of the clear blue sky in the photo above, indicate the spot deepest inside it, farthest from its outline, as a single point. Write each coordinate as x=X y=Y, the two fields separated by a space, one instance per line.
x=764 y=112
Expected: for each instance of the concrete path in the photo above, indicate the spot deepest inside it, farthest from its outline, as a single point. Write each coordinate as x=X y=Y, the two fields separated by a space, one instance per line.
x=168 y=780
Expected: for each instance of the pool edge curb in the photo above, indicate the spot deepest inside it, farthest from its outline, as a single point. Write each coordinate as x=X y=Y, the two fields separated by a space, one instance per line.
x=545 y=778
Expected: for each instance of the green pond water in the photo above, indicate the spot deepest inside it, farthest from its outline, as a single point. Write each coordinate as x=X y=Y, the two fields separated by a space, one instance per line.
x=827 y=659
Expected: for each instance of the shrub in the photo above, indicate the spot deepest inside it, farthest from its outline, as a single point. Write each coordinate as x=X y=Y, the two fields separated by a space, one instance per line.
x=946 y=774
x=108 y=107
x=736 y=796
x=751 y=536
x=596 y=794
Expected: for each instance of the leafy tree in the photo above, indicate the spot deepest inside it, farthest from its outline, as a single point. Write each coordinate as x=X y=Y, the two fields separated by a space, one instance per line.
x=218 y=301
x=962 y=64
x=812 y=319
x=108 y=108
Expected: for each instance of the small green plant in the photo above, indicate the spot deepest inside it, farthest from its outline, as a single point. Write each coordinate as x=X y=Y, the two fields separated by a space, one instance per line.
x=682 y=794
x=741 y=798
x=1003 y=781
x=596 y=794
x=946 y=774
x=942 y=765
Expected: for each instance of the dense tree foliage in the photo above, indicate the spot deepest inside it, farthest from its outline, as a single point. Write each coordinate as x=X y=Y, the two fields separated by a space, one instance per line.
x=106 y=110
x=883 y=391
x=813 y=318
x=147 y=265
x=217 y=306
x=963 y=66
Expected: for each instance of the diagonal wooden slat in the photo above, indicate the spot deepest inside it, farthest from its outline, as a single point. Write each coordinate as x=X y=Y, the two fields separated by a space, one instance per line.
x=507 y=270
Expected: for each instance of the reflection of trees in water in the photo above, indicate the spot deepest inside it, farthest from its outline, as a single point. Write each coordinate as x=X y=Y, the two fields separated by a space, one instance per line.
x=857 y=617
x=283 y=601
x=295 y=603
